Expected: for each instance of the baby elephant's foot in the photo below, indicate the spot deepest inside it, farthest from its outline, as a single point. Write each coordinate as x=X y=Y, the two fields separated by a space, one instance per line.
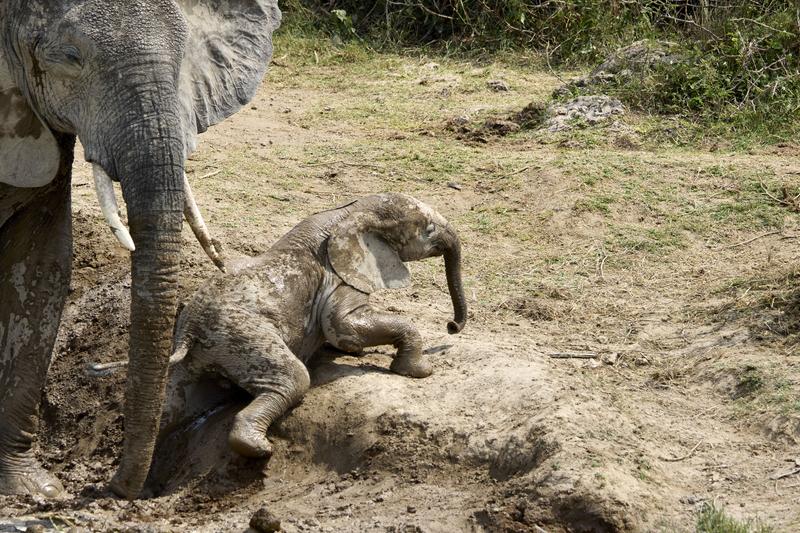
x=415 y=367
x=247 y=440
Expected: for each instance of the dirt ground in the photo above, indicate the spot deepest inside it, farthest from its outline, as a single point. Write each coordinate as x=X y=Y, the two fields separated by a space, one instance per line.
x=632 y=350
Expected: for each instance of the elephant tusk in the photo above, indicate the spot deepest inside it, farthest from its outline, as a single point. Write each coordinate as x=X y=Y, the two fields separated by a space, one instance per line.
x=192 y=213
x=108 y=205
x=97 y=370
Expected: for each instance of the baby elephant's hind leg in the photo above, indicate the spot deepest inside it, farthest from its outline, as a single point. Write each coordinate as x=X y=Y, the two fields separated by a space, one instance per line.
x=278 y=381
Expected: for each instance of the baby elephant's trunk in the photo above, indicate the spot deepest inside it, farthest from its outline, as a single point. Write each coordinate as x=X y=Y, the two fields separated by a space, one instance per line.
x=452 y=263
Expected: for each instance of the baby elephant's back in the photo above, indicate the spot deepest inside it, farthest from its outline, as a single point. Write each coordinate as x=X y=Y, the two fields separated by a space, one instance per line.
x=270 y=289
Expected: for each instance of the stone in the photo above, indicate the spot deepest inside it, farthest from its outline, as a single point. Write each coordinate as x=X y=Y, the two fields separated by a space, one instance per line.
x=588 y=109
x=498 y=86
x=264 y=521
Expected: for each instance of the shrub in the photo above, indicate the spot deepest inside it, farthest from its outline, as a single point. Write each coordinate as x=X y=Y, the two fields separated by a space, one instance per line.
x=743 y=62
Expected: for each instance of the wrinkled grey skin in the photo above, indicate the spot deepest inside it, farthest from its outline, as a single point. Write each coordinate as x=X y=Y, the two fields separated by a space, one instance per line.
x=135 y=81
x=260 y=324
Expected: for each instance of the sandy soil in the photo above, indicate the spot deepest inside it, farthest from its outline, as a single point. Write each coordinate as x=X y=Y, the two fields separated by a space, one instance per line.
x=600 y=243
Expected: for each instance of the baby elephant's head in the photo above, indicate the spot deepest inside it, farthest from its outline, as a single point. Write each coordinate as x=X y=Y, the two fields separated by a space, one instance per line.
x=368 y=247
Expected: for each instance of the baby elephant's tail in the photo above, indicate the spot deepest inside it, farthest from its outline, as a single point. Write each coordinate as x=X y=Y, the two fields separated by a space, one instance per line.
x=183 y=339
x=97 y=370
x=180 y=350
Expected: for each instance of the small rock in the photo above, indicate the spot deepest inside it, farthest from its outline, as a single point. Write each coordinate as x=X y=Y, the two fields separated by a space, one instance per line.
x=454 y=185
x=498 y=86
x=264 y=521
x=609 y=358
x=35 y=528
x=455 y=123
x=500 y=126
x=589 y=109
x=411 y=509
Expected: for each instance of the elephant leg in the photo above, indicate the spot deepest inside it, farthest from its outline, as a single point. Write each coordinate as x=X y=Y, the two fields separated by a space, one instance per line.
x=367 y=327
x=35 y=263
x=178 y=398
x=276 y=378
x=190 y=393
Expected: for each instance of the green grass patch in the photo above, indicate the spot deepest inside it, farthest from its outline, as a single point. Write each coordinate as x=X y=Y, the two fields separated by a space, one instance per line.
x=713 y=519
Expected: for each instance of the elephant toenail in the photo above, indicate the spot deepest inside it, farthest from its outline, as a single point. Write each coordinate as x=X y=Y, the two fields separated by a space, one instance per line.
x=50 y=491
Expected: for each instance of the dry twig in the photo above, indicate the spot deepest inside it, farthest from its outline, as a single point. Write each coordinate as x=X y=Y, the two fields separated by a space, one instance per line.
x=682 y=457
x=210 y=174
x=573 y=355
x=601 y=262
x=748 y=241
x=345 y=163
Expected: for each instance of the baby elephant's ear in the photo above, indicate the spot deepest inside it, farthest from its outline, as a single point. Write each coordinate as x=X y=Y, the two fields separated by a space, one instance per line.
x=362 y=258
x=29 y=154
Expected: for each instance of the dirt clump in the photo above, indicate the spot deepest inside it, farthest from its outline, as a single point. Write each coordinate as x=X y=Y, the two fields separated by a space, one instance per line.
x=498 y=86
x=555 y=117
x=532 y=308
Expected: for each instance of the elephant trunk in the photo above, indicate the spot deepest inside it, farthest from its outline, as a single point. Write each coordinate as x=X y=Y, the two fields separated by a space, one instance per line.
x=452 y=263
x=152 y=180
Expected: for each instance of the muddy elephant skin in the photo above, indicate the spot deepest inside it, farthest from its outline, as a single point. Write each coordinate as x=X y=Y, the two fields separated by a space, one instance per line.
x=260 y=324
x=135 y=81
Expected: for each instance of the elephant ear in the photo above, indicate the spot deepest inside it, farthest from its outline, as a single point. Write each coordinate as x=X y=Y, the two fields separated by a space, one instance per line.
x=29 y=154
x=227 y=55
x=362 y=258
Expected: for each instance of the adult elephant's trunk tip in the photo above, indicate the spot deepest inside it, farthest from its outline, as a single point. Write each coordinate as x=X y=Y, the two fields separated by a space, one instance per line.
x=452 y=262
x=454 y=327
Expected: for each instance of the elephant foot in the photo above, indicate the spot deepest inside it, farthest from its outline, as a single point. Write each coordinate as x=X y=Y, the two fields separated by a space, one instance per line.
x=127 y=482
x=246 y=440
x=416 y=367
x=30 y=478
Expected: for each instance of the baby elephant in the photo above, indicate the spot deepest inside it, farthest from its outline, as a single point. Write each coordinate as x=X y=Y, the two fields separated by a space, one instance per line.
x=260 y=324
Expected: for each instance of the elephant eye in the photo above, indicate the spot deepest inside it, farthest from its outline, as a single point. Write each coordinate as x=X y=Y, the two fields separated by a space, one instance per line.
x=72 y=55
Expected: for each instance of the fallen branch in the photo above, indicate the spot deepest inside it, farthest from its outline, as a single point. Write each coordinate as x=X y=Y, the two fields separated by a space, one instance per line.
x=345 y=163
x=573 y=355
x=786 y=472
x=209 y=175
x=788 y=200
x=518 y=171
x=748 y=241
x=683 y=457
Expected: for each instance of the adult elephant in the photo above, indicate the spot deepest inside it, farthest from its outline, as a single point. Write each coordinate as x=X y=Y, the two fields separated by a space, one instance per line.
x=135 y=81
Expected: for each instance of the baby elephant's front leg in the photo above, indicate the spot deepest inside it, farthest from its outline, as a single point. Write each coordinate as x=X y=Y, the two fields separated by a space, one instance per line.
x=367 y=327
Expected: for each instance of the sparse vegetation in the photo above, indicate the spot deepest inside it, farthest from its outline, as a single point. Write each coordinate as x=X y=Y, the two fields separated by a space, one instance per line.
x=713 y=519
x=736 y=67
